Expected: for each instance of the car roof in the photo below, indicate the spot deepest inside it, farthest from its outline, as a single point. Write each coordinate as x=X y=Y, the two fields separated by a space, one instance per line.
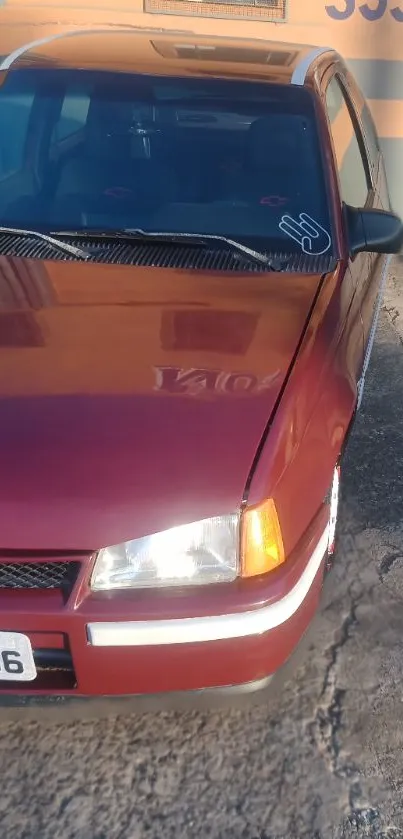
x=166 y=52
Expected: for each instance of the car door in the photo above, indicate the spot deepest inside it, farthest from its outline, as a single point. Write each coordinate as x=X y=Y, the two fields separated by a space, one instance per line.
x=373 y=293
x=358 y=171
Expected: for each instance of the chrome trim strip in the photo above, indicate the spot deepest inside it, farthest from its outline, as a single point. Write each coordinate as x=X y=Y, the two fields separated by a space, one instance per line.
x=370 y=344
x=215 y=628
x=301 y=71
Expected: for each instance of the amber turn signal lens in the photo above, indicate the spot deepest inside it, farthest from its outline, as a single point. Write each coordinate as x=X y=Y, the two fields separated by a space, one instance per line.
x=262 y=547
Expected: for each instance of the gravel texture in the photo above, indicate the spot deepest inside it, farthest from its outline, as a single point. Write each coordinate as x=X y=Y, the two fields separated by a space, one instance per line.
x=324 y=760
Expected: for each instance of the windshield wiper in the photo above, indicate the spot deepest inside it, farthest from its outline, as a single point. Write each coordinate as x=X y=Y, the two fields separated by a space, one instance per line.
x=138 y=234
x=64 y=247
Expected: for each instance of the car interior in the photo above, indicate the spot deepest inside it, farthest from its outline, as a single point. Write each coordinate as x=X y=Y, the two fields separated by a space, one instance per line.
x=180 y=166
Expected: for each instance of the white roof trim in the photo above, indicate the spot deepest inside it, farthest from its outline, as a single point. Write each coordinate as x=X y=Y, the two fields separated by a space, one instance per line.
x=9 y=60
x=40 y=42
x=301 y=70
x=298 y=76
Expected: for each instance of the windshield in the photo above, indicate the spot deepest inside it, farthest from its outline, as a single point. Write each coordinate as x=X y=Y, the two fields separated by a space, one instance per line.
x=95 y=150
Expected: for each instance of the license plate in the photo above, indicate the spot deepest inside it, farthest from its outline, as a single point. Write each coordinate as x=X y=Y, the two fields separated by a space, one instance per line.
x=16 y=658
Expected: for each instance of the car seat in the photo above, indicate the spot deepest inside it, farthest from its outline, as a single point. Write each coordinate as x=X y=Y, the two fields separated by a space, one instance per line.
x=273 y=158
x=113 y=161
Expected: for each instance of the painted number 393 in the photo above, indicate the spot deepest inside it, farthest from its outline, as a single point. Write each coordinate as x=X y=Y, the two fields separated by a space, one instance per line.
x=373 y=10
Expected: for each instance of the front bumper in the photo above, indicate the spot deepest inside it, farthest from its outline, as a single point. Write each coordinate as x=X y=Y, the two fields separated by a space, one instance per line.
x=206 y=650
x=201 y=630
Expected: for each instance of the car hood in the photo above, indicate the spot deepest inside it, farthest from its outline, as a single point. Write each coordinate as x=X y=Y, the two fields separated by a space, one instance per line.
x=131 y=398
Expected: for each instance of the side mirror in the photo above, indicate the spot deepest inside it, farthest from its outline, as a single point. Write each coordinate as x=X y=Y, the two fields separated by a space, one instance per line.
x=373 y=231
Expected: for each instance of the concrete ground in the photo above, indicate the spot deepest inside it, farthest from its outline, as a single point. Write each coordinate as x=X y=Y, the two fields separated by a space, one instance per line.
x=324 y=760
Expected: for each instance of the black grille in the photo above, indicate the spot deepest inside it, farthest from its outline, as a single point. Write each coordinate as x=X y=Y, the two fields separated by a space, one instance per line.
x=38 y=575
x=161 y=255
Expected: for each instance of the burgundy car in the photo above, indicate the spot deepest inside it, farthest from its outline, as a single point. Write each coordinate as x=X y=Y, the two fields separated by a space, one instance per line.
x=194 y=240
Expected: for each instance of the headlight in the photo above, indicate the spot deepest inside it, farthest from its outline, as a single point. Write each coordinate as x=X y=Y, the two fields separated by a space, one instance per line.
x=193 y=554
x=215 y=550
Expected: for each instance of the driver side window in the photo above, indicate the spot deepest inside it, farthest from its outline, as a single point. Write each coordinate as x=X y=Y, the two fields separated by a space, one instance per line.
x=352 y=164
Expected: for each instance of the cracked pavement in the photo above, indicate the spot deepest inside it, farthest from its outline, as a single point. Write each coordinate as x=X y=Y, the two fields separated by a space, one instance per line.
x=322 y=760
